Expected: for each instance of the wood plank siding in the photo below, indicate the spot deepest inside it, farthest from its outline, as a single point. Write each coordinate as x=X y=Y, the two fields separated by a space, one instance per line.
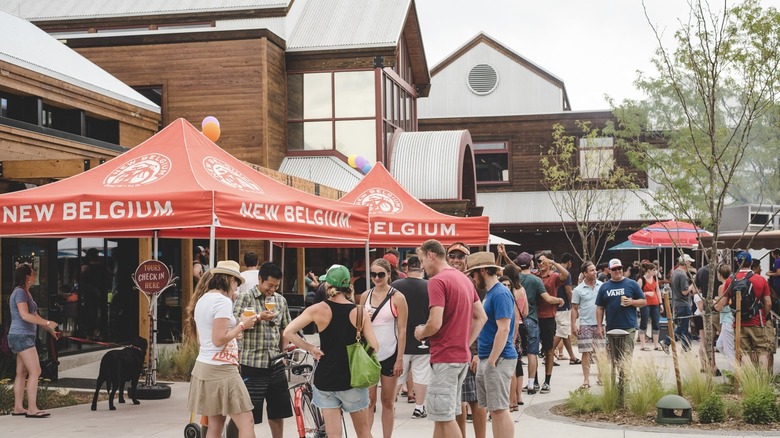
x=240 y=82
x=528 y=137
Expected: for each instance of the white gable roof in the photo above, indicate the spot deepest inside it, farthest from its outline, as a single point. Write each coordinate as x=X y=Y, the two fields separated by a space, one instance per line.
x=521 y=86
x=24 y=45
x=41 y=10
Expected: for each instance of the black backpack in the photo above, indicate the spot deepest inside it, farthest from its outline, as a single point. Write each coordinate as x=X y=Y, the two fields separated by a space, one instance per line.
x=749 y=304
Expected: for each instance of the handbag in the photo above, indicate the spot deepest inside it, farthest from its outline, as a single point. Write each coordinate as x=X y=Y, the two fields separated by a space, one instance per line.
x=364 y=367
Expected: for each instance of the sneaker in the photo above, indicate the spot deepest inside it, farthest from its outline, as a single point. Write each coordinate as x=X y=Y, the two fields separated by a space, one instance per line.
x=545 y=389
x=531 y=390
x=419 y=413
x=665 y=347
x=469 y=419
x=536 y=386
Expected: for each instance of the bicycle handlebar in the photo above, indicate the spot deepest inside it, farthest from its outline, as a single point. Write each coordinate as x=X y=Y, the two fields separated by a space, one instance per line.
x=287 y=354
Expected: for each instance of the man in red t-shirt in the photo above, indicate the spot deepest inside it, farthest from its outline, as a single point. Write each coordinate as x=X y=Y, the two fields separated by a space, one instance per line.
x=546 y=308
x=757 y=335
x=456 y=318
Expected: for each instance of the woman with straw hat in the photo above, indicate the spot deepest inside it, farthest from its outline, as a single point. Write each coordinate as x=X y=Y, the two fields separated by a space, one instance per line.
x=216 y=387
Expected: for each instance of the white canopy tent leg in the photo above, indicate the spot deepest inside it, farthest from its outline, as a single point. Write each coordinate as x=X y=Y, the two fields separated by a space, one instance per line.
x=367 y=270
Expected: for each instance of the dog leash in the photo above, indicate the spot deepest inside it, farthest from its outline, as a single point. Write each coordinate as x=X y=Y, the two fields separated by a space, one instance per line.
x=89 y=341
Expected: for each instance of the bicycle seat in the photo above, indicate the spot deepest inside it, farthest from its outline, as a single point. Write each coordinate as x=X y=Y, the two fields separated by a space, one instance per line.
x=301 y=369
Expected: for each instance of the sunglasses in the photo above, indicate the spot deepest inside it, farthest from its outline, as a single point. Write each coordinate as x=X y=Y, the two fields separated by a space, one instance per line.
x=456 y=255
x=619 y=268
x=378 y=274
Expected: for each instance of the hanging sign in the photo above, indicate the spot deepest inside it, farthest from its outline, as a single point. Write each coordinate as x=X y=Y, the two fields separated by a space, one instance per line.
x=152 y=277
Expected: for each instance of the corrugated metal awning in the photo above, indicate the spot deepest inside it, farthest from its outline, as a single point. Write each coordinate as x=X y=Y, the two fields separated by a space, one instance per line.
x=539 y=207
x=328 y=171
x=430 y=164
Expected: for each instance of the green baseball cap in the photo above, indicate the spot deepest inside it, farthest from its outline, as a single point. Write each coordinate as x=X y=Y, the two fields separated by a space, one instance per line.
x=338 y=276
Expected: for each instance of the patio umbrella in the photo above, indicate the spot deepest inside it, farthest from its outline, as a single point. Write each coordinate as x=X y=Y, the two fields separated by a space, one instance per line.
x=495 y=240
x=628 y=246
x=669 y=234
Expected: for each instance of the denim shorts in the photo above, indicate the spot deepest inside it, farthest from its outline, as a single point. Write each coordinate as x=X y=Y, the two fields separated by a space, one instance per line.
x=351 y=400
x=532 y=327
x=20 y=342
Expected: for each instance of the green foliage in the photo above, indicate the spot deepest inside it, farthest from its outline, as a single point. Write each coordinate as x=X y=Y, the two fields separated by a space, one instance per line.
x=177 y=363
x=578 y=178
x=753 y=378
x=582 y=401
x=711 y=409
x=732 y=409
x=645 y=387
x=696 y=385
x=760 y=407
x=610 y=396
x=6 y=396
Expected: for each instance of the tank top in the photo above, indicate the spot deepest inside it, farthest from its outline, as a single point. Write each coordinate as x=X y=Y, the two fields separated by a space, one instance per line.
x=653 y=299
x=520 y=303
x=384 y=325
x=332 y=372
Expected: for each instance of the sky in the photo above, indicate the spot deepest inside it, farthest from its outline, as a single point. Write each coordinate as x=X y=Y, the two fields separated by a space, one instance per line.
x=594 y=46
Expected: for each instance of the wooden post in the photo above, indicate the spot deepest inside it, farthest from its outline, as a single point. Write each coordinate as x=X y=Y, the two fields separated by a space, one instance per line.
x=300 y=257
x=144 y=253
x=670 y=328
x=186 y=285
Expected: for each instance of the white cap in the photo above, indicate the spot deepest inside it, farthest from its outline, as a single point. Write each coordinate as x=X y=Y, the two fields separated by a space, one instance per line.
x=615 y=263
x=685 y=258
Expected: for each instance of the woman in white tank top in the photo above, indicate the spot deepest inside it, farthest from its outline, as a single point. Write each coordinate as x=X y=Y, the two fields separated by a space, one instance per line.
x=388 y=310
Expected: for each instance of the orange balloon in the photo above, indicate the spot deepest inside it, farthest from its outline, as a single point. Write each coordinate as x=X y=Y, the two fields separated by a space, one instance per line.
x=211 y=131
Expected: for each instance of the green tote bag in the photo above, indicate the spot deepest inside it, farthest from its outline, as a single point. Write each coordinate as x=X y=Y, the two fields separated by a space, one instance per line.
x=364 y=367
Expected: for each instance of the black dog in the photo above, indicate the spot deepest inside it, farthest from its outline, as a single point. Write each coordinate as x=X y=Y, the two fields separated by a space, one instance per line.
x=119 y=366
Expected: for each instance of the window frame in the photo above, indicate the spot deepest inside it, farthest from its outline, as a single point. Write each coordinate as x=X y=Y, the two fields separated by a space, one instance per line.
x=507 y=148
x=583 y=149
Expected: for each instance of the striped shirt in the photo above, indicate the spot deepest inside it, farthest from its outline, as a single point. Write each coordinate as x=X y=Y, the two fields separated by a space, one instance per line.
x=263 y=341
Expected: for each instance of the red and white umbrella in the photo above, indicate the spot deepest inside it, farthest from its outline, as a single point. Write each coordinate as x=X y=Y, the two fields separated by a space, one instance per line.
x=669 y=234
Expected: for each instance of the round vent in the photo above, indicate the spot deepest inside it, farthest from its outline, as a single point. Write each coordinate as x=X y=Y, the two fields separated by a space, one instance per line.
x=483 y=79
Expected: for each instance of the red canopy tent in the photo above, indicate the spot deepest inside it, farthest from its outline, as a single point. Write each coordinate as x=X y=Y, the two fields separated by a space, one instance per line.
x=669 y=234
x=178 y=184
x=399 y=219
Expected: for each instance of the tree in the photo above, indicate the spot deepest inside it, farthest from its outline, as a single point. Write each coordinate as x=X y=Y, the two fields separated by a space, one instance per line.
x=586 y=187
x=707 y=100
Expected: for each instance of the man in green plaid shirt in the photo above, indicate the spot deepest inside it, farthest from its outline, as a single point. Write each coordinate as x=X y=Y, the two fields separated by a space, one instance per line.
x=266 y=381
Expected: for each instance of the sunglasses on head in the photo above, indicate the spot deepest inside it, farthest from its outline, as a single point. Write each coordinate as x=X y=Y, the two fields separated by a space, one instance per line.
x=378 y=274
x=456 y=255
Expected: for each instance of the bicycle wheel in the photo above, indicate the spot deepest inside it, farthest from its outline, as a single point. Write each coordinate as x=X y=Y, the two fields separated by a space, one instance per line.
x=310 y=422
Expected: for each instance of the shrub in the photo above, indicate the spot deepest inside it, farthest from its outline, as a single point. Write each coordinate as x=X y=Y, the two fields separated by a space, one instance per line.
x=582 y=401
x=6 y=396
x=759 y=407
x=695 y=384
x=711 y=409
x=177 y=363
x=733 y=409
x=610 y=397
x=645 y=387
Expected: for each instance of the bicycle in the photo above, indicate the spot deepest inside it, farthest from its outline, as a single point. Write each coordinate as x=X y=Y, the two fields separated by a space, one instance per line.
x=308 y=417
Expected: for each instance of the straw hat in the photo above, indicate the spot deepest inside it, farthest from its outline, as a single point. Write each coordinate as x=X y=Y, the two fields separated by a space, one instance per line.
x=228 y=267
x=479 y=260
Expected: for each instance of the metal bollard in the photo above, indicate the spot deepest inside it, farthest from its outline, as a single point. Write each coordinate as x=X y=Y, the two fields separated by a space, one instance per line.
x=616 y=340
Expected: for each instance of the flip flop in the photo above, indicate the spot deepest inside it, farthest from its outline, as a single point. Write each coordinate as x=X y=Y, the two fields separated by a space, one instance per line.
x=575 y=362
x=585 y=386
x=17 y=414
x=39 y=414
x=645 y=348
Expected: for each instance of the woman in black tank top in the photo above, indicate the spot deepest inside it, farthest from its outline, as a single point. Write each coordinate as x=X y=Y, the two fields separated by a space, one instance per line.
x=335 y=319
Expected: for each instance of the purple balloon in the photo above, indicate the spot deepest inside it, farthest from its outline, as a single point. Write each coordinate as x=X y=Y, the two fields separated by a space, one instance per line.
x=209 y=119
x=360 y=162
x=367 y=168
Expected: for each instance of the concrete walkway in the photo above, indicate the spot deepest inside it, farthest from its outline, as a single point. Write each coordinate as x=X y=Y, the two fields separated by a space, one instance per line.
x=167 y=418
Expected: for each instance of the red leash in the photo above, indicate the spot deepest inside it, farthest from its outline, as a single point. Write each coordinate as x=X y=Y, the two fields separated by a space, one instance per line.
x=89 y=341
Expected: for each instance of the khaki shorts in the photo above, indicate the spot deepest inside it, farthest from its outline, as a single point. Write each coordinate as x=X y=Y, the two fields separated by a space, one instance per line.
x=420 y=367
x=563 y=324
x=443 y=398
x=758 y=339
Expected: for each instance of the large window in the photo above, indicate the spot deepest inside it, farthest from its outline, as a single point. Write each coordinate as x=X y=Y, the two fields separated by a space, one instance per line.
x=492 y=161
x=597 y=157
x=332 y=110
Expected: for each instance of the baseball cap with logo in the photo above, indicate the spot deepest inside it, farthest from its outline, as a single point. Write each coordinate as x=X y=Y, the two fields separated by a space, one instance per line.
x=615 y=263
x=338 y=276
x=322 y=277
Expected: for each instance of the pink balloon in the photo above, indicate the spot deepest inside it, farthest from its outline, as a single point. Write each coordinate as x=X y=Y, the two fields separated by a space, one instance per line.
x=360 y=162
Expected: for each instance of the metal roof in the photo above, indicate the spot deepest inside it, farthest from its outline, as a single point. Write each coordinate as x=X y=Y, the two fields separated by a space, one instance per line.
x=324 y=170
x=538 y=208
x=349 y=24
x=41 y=10
x=418 y=158
x=24 y=45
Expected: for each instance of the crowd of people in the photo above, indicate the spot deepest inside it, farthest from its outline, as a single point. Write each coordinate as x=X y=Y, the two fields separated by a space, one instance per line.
x=450 y=328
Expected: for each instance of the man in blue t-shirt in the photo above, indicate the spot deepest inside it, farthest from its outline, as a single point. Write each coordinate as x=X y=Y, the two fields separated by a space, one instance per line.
x=497 y=355
x=619 y=298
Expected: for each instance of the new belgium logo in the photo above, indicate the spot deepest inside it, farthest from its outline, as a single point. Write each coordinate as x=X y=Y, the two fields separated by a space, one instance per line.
x=143 y=170
x=380 y=201
x=229 y=175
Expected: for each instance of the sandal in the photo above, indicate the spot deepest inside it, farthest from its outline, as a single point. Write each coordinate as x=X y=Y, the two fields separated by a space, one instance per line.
x=645 y=348
x=585 y=386
x=575 y=361
x=514 y=408
x=39 y=414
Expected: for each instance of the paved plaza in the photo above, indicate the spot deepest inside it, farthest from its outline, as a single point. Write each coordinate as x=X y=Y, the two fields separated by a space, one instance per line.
x=167 y=418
